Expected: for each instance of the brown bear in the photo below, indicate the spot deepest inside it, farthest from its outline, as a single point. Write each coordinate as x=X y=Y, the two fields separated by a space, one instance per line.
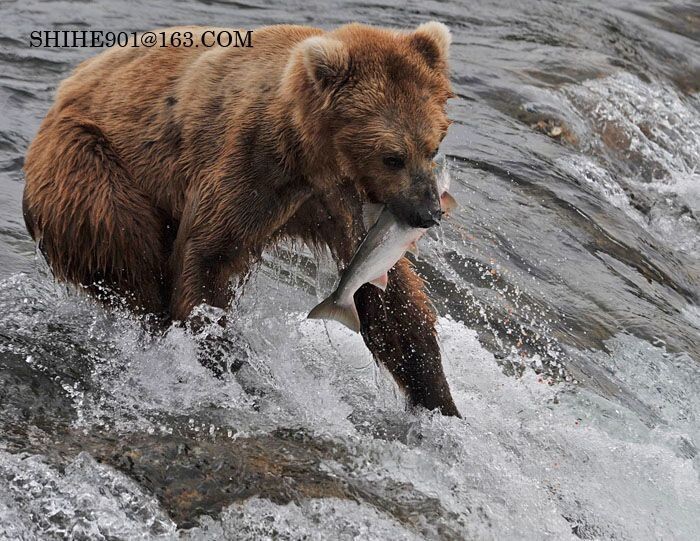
x=159 y=173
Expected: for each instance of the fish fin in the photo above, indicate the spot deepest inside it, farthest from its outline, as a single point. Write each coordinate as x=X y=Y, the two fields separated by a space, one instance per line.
x=370 y=213
x=447 y=202
x=443 y=176
x=413 y=248
x=330 y=309
x=381 y=282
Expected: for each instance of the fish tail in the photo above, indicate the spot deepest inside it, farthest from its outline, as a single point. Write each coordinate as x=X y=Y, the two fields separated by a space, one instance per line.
x=343 y=313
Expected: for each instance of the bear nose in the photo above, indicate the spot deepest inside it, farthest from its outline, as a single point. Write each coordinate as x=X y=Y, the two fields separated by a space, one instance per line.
x=429 y=217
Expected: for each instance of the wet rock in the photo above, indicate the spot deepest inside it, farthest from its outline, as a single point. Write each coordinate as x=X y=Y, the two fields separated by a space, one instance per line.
x=556 y=129
x=193 y=477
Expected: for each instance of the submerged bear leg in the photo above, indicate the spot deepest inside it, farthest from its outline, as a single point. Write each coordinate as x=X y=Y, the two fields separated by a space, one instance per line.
x=93 y=224
x=398 y=327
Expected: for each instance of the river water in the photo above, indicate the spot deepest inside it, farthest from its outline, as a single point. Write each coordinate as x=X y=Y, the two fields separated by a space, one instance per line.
x=567 y=286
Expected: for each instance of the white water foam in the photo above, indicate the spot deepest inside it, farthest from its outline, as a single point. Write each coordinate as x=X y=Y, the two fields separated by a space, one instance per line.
x=86 y=501
x=330 y=518
x=529 y=460
x=648 y=139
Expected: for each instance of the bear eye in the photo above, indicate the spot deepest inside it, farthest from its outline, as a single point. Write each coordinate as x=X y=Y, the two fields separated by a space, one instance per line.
x=433 y=154
x=394 y=162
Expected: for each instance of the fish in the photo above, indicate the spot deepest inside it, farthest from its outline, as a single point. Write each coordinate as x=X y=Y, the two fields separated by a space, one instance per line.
x=386 y=242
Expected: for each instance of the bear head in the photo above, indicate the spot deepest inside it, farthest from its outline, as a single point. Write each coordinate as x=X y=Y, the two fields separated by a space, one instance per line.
x=373 y=101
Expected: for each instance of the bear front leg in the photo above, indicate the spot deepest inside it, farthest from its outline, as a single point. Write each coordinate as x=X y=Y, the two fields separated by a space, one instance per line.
x=199 y=278
x=398 y=327
x=220 y=233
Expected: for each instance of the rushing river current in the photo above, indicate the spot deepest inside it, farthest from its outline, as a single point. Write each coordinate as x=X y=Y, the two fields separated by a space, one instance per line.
x=567 y=286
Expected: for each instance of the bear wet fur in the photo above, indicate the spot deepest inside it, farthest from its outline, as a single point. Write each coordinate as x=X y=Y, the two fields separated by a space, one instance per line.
x=158 y=174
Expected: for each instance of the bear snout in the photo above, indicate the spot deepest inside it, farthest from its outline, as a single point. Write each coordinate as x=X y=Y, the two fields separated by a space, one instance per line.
x=422 y=213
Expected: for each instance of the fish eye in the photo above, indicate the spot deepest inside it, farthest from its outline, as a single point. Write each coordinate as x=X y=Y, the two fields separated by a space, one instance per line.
x=394 y=162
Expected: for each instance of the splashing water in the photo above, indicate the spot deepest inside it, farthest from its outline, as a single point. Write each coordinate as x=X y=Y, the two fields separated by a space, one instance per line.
x=566 y=286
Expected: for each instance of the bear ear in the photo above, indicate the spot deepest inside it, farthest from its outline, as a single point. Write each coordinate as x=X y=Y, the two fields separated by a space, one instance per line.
x=432 y=40
x=327 y=61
